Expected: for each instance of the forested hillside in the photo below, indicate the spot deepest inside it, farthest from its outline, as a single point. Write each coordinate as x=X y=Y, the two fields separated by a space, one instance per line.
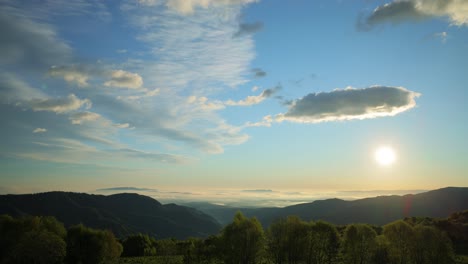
x=124 y=214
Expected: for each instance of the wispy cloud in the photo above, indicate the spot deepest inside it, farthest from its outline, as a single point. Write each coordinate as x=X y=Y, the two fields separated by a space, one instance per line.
x=59 y=105
x=186 y=7
x=39 y=130
x=254 y=99
x=399 y=11
x=350 y=104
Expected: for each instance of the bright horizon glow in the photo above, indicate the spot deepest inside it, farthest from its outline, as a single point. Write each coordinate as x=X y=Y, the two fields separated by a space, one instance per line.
x=385 y=156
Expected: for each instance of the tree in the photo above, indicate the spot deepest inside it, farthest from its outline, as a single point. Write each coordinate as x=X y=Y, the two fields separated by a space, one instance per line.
x=296 y=239
x=138 y=245
x=31 y=239
x=39 y=247
x=86 y=245
x=276 y=237
x=431 y=246
x=243 y=240
x=399 y=235
x=323 y=242
x=359 y=244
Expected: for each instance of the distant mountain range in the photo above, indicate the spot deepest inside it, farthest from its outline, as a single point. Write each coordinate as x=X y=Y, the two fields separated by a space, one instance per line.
x=124 y=213
x=127 y=213
x=378 y=210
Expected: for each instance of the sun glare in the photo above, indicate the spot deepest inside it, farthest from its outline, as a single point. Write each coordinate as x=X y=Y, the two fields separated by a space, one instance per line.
x=385 y=156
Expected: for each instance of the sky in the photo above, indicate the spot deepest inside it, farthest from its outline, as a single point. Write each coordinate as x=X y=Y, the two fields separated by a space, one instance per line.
x=233 y=100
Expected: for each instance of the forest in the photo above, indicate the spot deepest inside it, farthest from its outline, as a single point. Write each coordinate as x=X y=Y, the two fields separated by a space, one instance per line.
x=415 y=240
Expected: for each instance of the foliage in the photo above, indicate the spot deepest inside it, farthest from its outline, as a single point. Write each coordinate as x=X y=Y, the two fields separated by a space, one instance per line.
x=86 y=245
x=31 y=239
x=138 y=245
x=359 y=244
x=243 y=240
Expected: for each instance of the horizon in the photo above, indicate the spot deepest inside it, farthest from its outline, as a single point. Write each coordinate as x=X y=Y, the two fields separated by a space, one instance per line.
x=238 y=102
x=245 y=198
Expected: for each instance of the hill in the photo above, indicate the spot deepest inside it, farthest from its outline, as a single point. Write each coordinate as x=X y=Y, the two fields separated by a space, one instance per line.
x=124 y=213
x=377 y=210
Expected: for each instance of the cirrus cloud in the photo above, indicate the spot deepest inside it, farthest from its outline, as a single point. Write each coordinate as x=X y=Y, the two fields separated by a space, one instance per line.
x=350 y=104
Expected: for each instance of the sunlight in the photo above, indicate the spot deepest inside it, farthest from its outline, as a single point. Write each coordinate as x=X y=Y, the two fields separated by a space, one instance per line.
x=385 y=156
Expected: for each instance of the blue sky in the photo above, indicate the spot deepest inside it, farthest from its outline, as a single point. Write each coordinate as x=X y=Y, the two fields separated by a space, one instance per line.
x=201 y=99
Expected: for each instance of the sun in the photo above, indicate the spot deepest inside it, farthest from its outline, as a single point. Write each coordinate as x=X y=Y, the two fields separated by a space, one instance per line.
x=385 y=156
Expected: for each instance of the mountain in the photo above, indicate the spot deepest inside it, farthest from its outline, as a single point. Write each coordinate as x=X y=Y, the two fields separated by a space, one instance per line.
x=124 y=213
x=378 y=210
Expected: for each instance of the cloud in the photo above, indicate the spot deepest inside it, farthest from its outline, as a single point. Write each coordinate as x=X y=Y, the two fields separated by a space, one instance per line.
x=265 y=122
x=39 y=130
x=13 y=90
x=80 y=117
x=126 y=189
x=258 y=73
x=59 y=105
x=248 y=29
x=398 y=11
x=123 y=125
x=124 y=79
x=254 y=99
x=258 y=191
x=349 y=104
x=188 y=6
x=29 y=44
x=72 y=74
x=441 y=35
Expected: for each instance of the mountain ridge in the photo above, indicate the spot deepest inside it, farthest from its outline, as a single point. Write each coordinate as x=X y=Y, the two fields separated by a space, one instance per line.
x=124 y=213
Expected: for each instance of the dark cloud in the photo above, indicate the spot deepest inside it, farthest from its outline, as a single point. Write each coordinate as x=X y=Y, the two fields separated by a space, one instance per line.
x=248 y=28
x=259 y=73
x=350 y=103
x=415 y=10
x=29 y=44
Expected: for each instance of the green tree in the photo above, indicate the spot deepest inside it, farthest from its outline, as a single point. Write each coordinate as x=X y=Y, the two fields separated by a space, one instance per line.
x=276 y=237
x=359 y=244
x=381 y=254
x=138 y=245
x=400 y=237
x=243 y=240
x=86 y=245
x=296 y=239
x=323 y=242
x=31 y=239
x=431 y=246
x=39 y=247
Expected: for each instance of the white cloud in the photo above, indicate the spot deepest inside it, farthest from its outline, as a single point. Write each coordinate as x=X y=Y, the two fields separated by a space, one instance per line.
x=124 y=79
x=349 y=104
x=123 y=125
x=254 y=99
x=188 y=6
x=442 y=36
x=71 y=74
x=39 y=130
x=397 y=11
x=265 y=122
x=80 y=117
x=59 y=105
